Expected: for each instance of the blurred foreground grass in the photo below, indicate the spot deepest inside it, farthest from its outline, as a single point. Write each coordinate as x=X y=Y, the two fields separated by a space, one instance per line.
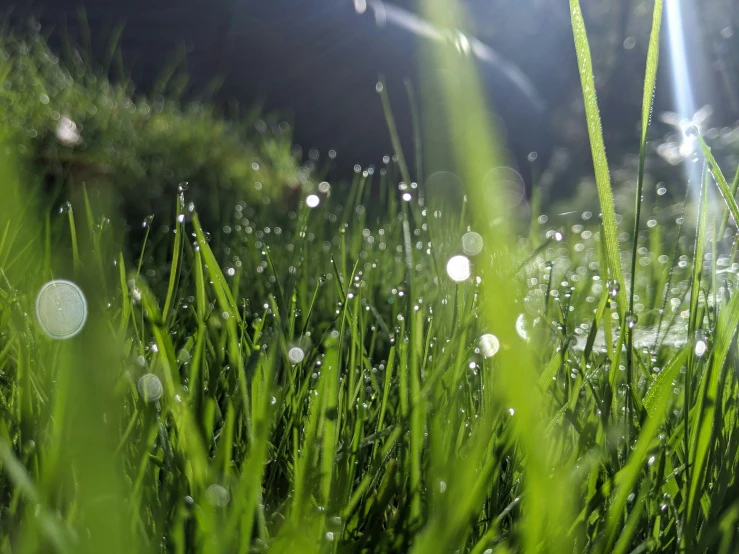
x=431 y=380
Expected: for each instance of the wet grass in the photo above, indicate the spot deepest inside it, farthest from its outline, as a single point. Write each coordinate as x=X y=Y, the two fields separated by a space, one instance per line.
x=326 y=385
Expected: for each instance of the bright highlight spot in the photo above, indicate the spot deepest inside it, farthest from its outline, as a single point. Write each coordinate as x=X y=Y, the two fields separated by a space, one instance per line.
x=472 y=243
x=700 y=348
x=295 y=355
x=150 y=388
x=61 y=309
x=521 y=329
x=312 y=201
x=458 y=268
x=488 y=345
x=66 y=131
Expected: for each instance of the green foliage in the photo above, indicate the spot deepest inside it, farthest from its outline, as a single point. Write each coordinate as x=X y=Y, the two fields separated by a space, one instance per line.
x=87 y=130
x=320 y=384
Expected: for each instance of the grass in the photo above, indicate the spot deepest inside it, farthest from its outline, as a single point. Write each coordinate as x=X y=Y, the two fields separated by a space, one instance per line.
x=319 y=383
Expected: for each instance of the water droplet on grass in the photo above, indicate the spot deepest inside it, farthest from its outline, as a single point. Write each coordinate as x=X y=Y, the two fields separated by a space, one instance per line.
x=613 y=287
x=701 y=346
x=631 y=319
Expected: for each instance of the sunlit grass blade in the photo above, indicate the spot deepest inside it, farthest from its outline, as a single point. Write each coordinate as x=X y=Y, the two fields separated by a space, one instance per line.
x=706 y=425
x=718 y=176
x=598 y=149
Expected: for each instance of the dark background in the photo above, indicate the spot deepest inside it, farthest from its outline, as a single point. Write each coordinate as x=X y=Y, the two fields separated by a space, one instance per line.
x=316 y=62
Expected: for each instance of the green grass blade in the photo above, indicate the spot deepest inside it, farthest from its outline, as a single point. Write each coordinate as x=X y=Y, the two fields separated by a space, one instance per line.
x=598 y=149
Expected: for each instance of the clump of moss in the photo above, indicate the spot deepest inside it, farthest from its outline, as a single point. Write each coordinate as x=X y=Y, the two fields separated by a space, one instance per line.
x=79 y=128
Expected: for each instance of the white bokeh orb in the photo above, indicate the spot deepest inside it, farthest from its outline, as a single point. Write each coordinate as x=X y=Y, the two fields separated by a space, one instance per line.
x=150 y=388
x=295 y=355
x=458 y=268
x=61 y=309
x=488 y=345
x=472 y=243
x=217 y=496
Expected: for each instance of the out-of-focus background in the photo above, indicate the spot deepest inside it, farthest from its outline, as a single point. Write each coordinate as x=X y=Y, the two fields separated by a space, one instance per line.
x=314 y=64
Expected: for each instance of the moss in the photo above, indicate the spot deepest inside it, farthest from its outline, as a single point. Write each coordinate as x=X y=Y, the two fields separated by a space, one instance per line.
x=83 y=128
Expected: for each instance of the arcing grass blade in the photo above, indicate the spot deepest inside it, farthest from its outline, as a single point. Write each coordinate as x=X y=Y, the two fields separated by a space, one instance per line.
x=73 y=235
x=54 y=532
x=723 y=186
x=661 y=388
x=700 y=239
x=475 y=150
x=628 y=476
x=725 y=218
x=416 y=121
x=600 y=162
x=706 y=409
x=174 y=269
x=650 y=81
x=393 y=129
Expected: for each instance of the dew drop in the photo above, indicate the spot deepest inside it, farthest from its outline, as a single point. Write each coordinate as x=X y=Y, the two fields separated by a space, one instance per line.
x=631 y=319
x=613 y=287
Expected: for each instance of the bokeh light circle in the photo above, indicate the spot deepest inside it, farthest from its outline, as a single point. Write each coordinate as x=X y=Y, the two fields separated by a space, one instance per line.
x=488 y=345
x=472 y=243
x=295 y=355
x=217 y=496
x=458 y=268
x=150 y=387
x=504 y=186
x=61 y=309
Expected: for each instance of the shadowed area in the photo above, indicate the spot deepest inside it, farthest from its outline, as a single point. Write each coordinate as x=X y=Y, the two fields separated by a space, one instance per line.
x=314 y=63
